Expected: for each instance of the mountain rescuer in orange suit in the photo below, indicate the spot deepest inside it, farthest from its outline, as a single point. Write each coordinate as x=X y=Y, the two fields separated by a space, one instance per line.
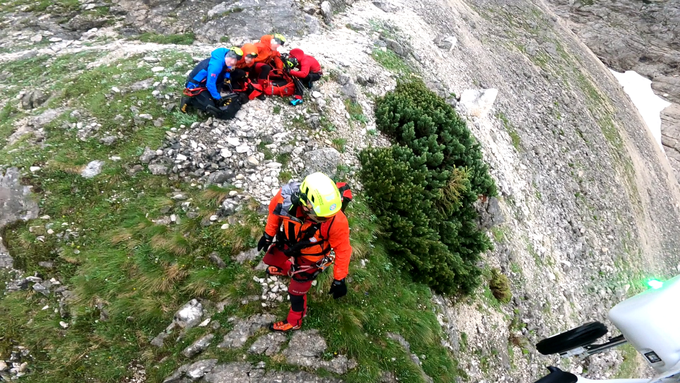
x=243 y=68
x=307 y=221
x=268 y=56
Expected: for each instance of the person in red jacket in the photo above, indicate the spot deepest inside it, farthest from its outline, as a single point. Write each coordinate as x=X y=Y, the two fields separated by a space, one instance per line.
x=307 y=221
x=308 y=72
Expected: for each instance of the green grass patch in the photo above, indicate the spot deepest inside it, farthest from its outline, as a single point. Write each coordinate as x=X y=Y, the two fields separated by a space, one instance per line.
x=380 y=300
x=179 y=39
x=356 y=112
x=390 y=61
x=514 y=136
x=339 y=144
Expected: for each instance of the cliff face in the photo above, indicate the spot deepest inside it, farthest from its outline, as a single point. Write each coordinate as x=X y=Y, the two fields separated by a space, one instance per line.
x=588 y=202
x=643 y=36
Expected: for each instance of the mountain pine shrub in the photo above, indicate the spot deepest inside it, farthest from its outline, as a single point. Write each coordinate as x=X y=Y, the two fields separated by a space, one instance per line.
x=423 y=188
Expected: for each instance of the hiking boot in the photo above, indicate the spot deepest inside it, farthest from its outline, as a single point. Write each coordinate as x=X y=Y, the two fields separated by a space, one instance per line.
x=283 y=326
x=296 y=101
x=262 y=97
x=273 y=270
x=310 y=85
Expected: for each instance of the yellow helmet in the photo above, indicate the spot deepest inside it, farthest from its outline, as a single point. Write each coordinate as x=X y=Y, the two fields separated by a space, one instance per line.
x=235 y=52
x=279 y=38
x=321 y=195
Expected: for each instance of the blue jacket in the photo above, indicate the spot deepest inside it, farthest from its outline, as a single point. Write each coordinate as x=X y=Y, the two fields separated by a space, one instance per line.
x=210 y=73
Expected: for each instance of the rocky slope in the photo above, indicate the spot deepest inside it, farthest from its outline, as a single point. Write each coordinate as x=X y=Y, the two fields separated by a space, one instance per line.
x=640 y=36
x=587 y=209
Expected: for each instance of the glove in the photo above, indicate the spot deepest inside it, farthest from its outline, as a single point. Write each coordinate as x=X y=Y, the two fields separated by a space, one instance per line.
x=265 y=242
x=338 y=289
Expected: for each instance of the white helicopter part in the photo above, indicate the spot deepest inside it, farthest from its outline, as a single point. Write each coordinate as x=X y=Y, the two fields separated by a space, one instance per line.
x=650 y=321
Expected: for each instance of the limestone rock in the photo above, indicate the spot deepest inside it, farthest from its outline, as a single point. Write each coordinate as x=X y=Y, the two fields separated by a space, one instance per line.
x=670 y=136
x=269 y=344
x=189 y=315
x=306 y=348
x=490 y=213
x=198 y=346
x=191 y=372
x=327 y=11
x=244 y=329
x=217 y=260
x=219 y=177
x=92 y=169
x=84 y=22
x=477 y=103
x=33 y=99
x=243 y=372
x=16 y=204
x=157 y=169
x=108 y=140
x=147 y=156
x=324 y=160
x=247 y=255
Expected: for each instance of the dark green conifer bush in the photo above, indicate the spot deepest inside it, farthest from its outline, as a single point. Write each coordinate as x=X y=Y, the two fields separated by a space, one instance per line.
x=423 y=188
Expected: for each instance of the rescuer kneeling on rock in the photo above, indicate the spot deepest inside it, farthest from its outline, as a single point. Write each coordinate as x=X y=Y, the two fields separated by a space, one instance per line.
x=307 y=221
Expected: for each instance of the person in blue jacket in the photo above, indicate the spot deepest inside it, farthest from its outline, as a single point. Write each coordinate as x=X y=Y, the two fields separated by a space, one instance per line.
x=208 y=79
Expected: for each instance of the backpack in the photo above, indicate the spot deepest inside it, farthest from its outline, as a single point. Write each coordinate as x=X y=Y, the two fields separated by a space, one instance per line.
x=279 y=83
x=230 y=106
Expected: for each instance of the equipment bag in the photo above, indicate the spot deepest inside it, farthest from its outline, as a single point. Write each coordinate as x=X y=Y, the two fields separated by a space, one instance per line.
x=279 y=84
x=230 y=106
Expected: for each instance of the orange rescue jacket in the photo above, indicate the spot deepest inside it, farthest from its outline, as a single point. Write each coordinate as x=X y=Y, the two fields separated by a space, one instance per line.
x=247 y=49
x=311 y=240
x=266 y=55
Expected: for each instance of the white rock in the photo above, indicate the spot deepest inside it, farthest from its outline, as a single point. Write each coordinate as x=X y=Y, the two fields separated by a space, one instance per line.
x=157 y=69
x=50 y=231
x=146 y=116
x=233 y=193
x=204 y=323
x=477 y=103
x=92 y=169
x=55 y=39
x=37 y=38
x=34 y=169
x=225 y=226
x=253 y=161
x=115 y=89
x=317 y=94
x=180 y=158
x=233 y=141
x=225 y=153
x=213 y=218
x=63 y=324
x=173 y=218
x=242 y=149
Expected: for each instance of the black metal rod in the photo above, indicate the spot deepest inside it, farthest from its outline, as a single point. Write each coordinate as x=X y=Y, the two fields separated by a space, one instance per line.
x=598 y=348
